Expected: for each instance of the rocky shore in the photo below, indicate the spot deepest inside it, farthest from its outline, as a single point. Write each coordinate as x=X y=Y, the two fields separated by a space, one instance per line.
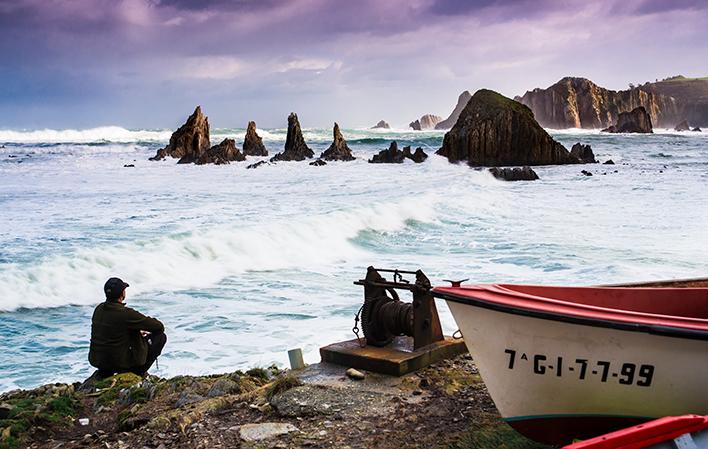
x=444 y=405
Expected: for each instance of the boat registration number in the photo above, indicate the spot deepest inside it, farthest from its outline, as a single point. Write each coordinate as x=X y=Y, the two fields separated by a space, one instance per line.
x=584 y=369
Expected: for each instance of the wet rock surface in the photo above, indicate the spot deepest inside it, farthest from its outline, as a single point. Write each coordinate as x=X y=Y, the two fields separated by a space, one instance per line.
x=258 y=164
x=252 y=142
x=220 y=154
x=416 y=156
x=494 y=130
x=635 y=121
x=390 y=156
x=295 y=147
x=338 y=150
x=393 y=155
x=189 y=141
x=514 y=174
x=583 y=153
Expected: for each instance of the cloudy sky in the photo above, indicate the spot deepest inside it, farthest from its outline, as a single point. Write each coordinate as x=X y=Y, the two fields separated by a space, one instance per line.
x=147 y=63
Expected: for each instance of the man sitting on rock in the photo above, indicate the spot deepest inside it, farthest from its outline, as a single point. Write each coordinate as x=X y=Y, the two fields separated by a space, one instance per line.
x=122 y=339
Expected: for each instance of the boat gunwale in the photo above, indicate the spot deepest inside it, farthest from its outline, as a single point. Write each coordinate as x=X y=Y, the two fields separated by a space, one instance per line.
x=654 y=329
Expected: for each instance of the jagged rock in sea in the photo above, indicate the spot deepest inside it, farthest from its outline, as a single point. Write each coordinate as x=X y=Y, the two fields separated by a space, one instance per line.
x=609 y=162
x=223 y=153
x=494 y=130
x=449 y=122
x=391 y=156
x=417 y=156
x=395 y=156
x=428 y=121
x=696 y=129
x=258 y=164
x=683 y=126
x=585 y=172
x=579 y=103
x=295 y=147
x=252 y=143
x=525 y=173
x=338 y=151
x=583 y=153
x=189 y=141
x=381 y=124
x=318 y=163
x=635 y=121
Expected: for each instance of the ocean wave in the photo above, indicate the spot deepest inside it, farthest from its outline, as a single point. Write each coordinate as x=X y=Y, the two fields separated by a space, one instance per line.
x=114 y=134
x=202 y=258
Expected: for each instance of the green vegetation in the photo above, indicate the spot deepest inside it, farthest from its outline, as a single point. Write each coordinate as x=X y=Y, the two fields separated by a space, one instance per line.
x=108 y=389
x=259 y=373
x=491 y=433
x=55 y=405
x=283 y=383
x=682 y=78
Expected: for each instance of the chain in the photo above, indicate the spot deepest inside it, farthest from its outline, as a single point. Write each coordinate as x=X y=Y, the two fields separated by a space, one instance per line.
x=455 y=334
x=355 y=329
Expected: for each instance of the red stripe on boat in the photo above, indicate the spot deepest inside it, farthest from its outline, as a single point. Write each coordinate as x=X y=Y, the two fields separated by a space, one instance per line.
x=685 y=308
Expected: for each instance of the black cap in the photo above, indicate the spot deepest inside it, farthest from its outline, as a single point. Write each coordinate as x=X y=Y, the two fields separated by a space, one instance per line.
x=114 y=288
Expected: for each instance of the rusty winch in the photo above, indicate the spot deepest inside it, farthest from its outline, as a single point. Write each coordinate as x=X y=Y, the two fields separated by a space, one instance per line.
x=384 y=316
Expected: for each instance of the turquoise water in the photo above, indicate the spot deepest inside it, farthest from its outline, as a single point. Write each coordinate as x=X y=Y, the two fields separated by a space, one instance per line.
x=242 y=265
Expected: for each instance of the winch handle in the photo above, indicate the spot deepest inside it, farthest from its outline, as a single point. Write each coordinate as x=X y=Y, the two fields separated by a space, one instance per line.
x=456 y=283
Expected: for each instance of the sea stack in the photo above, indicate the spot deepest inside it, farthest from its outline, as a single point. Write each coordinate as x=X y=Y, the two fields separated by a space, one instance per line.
x=222 y=153
x=295 y=147
x=189 y=141
x=395 y=156
x=514 y=174
x=381 y=125
x=495 y=130
x=391 y=156
x=683 y=126
x=338 y=151
x=416 y=156
x=252 y=143
x=635 y=121
x=428 y=121
x=462 y=101
x=584 y=153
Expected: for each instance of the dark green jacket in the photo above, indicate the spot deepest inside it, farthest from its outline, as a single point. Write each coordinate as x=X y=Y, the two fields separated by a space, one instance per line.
x=116 y=342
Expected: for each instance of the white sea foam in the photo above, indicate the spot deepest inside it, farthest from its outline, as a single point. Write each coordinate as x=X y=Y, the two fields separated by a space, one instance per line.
x=100 y=134
x=201 y=258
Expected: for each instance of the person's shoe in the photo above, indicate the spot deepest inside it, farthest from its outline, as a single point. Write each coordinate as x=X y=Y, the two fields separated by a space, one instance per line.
x=89 y=385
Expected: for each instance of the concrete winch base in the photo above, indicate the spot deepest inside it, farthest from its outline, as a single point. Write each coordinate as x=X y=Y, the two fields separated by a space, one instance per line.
x=396 y=359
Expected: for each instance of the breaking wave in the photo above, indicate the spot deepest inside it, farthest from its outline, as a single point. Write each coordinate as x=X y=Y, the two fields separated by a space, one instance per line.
x=101 y=134
x=202 y=258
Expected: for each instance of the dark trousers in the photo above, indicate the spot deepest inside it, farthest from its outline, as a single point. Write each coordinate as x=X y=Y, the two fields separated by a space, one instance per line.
x=155 y=342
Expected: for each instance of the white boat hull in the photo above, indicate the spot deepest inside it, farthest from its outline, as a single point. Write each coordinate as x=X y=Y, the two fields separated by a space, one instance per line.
x=543 y=369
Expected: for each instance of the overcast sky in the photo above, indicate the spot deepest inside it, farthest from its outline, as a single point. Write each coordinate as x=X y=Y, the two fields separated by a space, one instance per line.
x=147 y=63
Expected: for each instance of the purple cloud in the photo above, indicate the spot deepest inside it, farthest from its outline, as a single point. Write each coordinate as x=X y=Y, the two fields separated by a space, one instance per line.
x=147 y=62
